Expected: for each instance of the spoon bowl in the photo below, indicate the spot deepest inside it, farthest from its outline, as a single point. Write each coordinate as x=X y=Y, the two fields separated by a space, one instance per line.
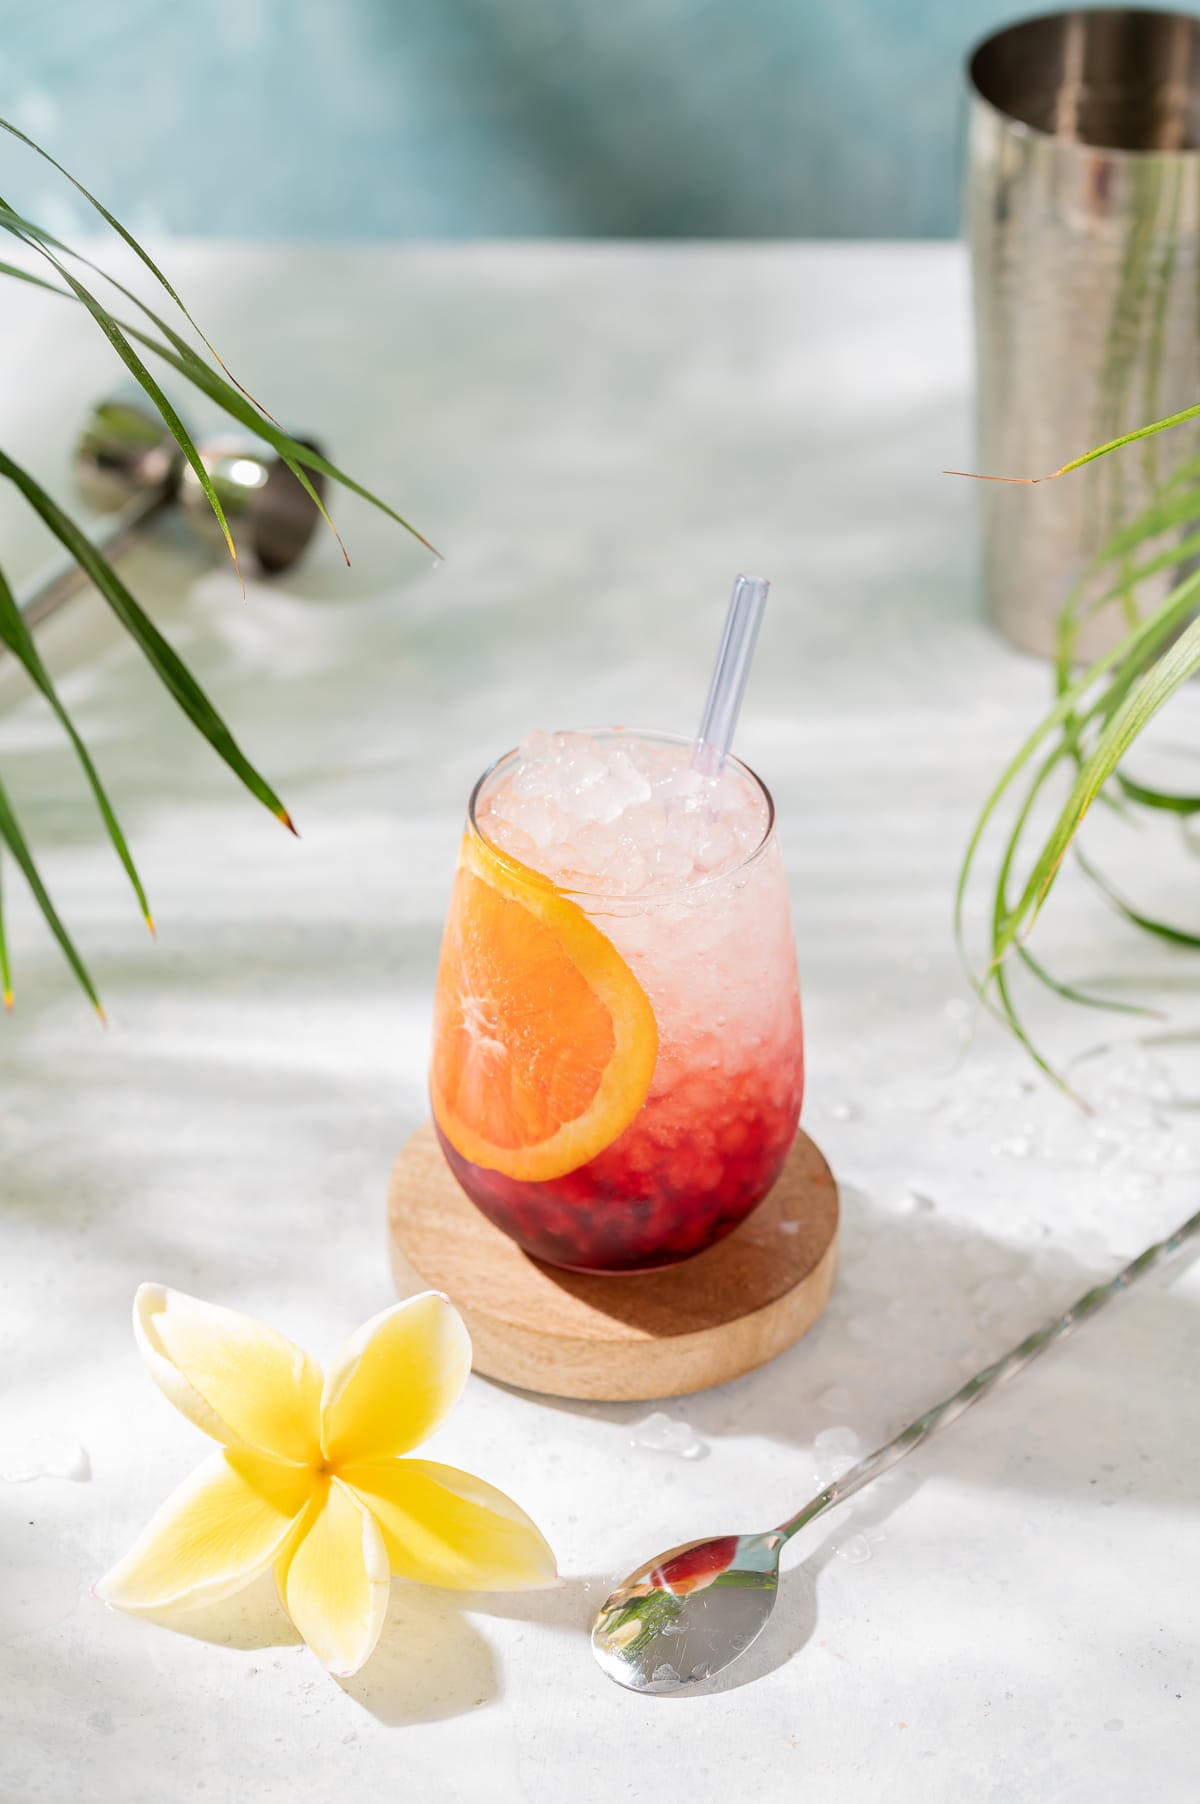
x=684 y=1616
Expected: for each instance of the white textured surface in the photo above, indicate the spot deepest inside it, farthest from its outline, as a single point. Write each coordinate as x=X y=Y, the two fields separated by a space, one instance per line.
x=598 y=438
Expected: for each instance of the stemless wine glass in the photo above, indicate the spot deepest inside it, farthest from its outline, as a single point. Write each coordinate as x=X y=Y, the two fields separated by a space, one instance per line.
x=618 y=1062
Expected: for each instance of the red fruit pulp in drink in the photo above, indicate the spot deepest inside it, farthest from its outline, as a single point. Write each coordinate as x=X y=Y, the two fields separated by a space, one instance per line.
x=693 y=1164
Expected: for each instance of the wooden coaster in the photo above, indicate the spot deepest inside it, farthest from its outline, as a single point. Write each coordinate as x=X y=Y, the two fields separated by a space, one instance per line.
x=655 y=1334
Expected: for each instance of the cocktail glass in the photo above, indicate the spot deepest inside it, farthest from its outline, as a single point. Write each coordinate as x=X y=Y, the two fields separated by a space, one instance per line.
x=618 y=1058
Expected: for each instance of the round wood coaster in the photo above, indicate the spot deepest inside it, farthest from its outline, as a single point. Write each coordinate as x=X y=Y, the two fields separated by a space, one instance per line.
x=652 y=1334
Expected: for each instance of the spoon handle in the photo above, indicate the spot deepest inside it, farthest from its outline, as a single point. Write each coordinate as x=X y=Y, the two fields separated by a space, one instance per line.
x=992 y=1375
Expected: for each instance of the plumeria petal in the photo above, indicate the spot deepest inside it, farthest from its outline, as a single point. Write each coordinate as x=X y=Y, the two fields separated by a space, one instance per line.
x=219 y=1530
x=395 y=1380
x=243 y=1384
x=334 y=1580
x=446 y=1527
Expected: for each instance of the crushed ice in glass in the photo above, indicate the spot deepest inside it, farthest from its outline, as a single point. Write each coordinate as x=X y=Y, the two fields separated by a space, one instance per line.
x=661 y=1433
x=630 y=815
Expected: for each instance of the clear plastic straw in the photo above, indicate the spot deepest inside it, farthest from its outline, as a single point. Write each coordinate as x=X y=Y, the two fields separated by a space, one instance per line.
x=731 y=672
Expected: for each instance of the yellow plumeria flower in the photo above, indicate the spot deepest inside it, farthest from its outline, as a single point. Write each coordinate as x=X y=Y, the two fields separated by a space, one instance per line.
x=311 y=1477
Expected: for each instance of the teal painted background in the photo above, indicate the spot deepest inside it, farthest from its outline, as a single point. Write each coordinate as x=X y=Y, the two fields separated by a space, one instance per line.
x=464 y=118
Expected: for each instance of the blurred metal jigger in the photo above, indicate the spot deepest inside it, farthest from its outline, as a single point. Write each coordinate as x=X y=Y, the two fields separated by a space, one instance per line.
x=1083 y=215
x=127 y=464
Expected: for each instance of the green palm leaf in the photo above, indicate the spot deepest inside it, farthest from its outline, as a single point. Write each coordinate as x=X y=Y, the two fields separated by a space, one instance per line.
x=1169 y=801
x=24 y=228
x=165 y=662
x=1088 y=457
x=1148 y=695
x=1066 y=708
x=294 y=452
x=1097 y=717
x=133 y=363
x=12 y=836
x=302 y=460
x=1084 y=998
x=5 y=970
x=143 y=256
x=1177 y=936
x=16 y=635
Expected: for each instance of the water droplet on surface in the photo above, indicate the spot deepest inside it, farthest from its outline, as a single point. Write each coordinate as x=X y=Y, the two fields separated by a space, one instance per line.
x=968 y=1114
x=1092 y=1251
x=1115 y=1722
x=47 y=1456
x=1162 y=1150
x=837 y=1440
x=1013 y=1146
x=661 y=1433
x=829 y=1467
x=663 y=1674
x=918 y=1098
x=999 y=1305
x=1054 y=1270
x=844 y=1111
x=907 y=1312
x=1119 y=1186
x=1107 y=1144
x=854 y=1549
x=836 y=1401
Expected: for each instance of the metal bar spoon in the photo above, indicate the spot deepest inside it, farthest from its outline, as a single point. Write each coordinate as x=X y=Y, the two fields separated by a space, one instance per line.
x=689 y=1613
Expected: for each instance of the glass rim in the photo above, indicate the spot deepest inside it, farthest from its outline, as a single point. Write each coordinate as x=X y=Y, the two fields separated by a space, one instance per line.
x=657 y=736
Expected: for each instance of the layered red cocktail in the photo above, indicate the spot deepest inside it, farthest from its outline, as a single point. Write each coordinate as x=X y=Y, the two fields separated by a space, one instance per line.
x=618 y=1065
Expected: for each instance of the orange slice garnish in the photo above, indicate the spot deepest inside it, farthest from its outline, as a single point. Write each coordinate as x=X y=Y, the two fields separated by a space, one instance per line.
x=544 y=1040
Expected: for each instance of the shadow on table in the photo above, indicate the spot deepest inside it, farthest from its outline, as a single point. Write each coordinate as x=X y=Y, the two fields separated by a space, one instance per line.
x=432 y=1661
x=923 y=1301
x=251 y=1619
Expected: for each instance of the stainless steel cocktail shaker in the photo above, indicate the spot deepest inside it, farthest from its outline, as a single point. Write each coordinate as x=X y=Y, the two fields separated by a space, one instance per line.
x=1083 y=217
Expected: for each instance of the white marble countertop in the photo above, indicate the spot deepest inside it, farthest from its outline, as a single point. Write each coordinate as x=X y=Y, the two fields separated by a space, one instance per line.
x=598 y=437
